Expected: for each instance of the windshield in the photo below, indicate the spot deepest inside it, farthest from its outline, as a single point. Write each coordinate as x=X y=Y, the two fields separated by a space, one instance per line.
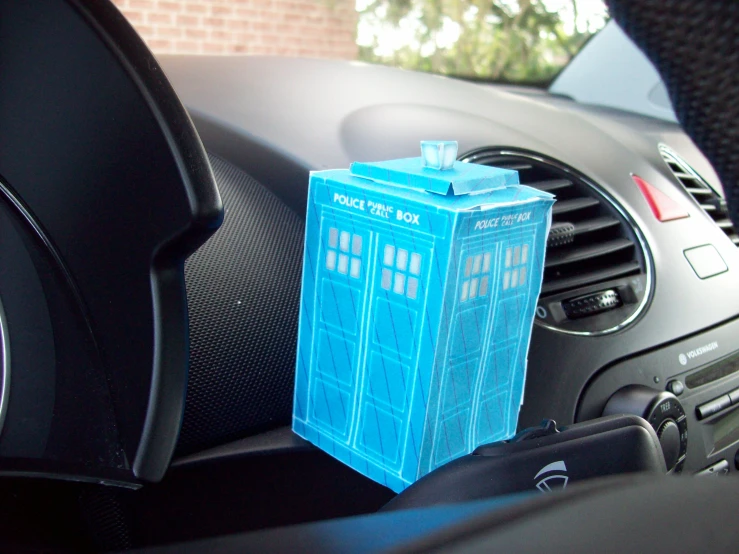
x=510 y=41
x=513 y=41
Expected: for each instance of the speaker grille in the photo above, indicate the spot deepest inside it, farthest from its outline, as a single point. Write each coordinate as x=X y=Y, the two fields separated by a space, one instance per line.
x=243 y=290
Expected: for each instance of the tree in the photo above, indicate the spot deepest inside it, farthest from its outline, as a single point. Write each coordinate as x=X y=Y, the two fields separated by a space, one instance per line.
x=499 y=40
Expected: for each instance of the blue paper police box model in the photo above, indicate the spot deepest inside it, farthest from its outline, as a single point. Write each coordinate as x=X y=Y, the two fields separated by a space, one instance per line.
x=420 y=281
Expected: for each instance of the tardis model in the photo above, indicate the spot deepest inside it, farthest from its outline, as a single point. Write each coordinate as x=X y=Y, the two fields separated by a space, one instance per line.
x=420 y=281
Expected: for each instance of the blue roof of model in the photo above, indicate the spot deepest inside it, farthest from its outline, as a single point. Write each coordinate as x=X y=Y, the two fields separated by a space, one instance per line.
x=462 y=178
x=501 y=196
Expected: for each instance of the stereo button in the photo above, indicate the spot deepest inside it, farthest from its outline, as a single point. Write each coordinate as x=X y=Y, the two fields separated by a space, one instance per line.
x=676 y=387
x=714 y=406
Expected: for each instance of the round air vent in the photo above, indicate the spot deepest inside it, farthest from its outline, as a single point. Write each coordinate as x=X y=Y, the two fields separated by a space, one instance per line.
x=710 y=201
x=596 y=273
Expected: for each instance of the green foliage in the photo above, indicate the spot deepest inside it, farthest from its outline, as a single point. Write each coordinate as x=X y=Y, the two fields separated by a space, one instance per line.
x=500 y=40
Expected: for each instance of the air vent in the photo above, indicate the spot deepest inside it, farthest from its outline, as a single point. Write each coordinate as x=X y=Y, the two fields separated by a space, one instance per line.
x=708 y=199
x=592 y=247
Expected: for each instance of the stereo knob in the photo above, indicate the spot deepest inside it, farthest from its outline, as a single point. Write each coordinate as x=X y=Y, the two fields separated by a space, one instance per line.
x=664 y=413
x=669 y=439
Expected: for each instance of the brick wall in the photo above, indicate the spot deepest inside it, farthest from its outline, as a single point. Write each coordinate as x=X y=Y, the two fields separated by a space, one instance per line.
x=306 y=28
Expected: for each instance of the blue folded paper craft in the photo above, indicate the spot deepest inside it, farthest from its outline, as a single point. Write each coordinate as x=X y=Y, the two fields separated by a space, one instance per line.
x=419 y=291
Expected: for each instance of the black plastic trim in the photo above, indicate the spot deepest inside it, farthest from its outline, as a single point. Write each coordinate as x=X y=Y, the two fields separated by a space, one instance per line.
x=568 y=206
x=555 y=259
x=272 y=442
x=281 y=173
x=169 y=372
x=4 y=366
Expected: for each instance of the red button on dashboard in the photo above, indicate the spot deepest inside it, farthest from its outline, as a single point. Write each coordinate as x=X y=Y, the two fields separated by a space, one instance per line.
x=663 y=207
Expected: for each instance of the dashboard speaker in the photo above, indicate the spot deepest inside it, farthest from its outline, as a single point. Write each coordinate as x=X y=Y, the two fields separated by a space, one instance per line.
x=246 y=279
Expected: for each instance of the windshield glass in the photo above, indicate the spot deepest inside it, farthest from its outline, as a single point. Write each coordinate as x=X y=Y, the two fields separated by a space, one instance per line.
x=511 y=41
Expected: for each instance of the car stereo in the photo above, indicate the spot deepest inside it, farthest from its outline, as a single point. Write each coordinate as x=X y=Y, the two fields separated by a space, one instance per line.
x=688 y=391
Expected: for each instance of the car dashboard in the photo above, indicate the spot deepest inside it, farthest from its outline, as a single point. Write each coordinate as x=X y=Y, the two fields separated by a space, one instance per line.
x=627 y=299
x=171 y=381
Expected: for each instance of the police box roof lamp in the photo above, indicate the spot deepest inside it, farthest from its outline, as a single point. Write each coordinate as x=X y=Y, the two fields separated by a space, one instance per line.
x=437 y=171
x=439 y=154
